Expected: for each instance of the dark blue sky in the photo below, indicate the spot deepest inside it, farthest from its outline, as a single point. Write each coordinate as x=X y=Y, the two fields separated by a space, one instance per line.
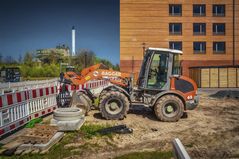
x=28 y=25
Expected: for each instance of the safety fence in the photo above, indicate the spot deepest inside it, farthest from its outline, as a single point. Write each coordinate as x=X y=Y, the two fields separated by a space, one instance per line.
x=89 y=85
x=20 y=86
x=18 y=108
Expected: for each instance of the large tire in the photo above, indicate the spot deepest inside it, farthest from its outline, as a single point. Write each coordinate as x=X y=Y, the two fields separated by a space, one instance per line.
x=67 y=114
x=85 y=102
x=169 y=108
x=114 y=105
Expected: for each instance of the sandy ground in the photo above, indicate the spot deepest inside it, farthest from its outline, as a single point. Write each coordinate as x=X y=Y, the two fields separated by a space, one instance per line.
x=210 y=131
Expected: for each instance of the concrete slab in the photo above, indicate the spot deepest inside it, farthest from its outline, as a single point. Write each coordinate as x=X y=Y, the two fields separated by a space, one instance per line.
x=45 y=147
x=68 y=125
x=42 y=148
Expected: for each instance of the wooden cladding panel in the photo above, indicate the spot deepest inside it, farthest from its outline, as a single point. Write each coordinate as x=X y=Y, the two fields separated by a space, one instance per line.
x=195 y=74
x=147 y=21
x=214 y=77
x=205 y=78
x=227 y=77
x=188 y=54
x=223 y=77
x=232 y=77
x=237 y=77
x=173 y=2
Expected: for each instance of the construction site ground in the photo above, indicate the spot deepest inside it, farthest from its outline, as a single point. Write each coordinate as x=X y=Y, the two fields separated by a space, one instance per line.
x=209 y=131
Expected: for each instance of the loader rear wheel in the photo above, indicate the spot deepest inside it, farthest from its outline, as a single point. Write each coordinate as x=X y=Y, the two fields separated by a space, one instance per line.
x=169 y=108
x=114 y=105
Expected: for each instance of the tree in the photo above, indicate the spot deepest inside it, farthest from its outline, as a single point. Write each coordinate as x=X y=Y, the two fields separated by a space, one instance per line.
x=20 y=58
x=0 y=58
x=63 y=46
x=9 y=60
x=116 y=67
x=28 y=59
x=84 y=58
x=108 y=63
x=49 y=56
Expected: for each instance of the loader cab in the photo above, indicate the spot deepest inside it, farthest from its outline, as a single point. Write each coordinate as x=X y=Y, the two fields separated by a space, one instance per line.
x=158 y=65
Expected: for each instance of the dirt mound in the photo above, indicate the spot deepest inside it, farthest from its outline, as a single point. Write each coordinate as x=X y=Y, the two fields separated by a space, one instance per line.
x=226 y=94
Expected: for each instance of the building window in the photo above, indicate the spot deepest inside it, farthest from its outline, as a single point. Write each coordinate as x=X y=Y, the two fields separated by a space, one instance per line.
x=199 y=47
x=177 y=45
x=199 y=28
x=218 y=10
x=219 y=28
x=175 y=9
x=175 y=28
x=219 y=47
x=199 y=10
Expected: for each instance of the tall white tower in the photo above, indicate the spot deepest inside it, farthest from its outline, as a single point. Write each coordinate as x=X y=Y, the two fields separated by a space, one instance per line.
x=73 y=41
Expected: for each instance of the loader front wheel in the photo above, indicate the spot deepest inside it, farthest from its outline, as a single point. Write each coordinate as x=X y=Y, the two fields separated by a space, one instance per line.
x=85 y=102
x=114 y=105
x=169 y=108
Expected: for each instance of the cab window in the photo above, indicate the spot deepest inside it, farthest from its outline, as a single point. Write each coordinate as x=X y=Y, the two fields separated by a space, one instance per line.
x=176 y=65
x=157 y=76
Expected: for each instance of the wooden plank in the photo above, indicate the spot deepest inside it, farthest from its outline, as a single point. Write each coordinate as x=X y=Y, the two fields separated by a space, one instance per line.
x=223 y=77
x=214 y=77
x=195 y=75
x=237 y=77
x=232 y=77
x=205 y=78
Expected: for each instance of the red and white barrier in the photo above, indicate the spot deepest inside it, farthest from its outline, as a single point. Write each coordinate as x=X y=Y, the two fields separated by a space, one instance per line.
x=13 y=111
x=89 y=85
x=42 y=101
x=16 y=109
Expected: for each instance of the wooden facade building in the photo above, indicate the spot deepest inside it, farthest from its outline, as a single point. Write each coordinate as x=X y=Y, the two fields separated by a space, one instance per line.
x=207 y=31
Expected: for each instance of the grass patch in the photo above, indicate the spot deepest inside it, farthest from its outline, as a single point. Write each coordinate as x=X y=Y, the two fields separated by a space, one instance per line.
x=59 y=151
x=32 y=123
x=97 y=101
x=147 y=155
x=90 y=130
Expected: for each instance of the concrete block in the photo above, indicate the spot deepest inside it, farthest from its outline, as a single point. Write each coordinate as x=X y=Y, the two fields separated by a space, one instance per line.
x=44 y=147
x=68 y=125
x=35 y=148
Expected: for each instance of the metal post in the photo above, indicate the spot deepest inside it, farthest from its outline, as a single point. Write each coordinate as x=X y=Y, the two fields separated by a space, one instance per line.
x=85 y=60
x=1 y=119
x=233 y=52
x=132 y=64
x=143 y=44
x=179 y=150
